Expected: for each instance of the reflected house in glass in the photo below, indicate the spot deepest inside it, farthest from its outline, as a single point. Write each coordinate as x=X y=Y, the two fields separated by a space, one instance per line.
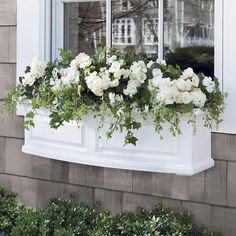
x=135 y=25
x=188 y=23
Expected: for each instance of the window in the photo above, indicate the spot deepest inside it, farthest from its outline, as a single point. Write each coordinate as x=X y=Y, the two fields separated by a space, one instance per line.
x=181 y=31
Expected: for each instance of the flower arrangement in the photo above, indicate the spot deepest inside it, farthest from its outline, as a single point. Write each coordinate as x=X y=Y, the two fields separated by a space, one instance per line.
x=118 y=85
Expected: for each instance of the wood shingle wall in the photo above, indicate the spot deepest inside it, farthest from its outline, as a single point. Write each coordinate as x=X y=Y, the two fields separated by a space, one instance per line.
x=210 y=195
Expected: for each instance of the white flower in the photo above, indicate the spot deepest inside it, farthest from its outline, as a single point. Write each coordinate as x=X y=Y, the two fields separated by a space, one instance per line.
x=132 y=87
x=56 y=84
x=209 y=84
x=37 y=68
x=156 y=72
x=70 y=76
x=114 y=83
x=115 y=98
x=115 y=66
x=125 y=73
x=184 y=85
x=150 y=63
x=81 y=61
x=198 y=97
x=29 y=79
x=112 y=97
x=186 y=97
x=112 y=59
x=161 y=61
x=79 y=89
x=188 y=73
x=195 y=80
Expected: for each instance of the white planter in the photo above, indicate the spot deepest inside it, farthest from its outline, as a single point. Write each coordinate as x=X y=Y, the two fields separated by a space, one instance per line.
x=185 y=154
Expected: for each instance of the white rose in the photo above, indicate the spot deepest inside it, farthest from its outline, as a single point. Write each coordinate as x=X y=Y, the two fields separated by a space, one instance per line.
x=188 y=73
x=118 y=74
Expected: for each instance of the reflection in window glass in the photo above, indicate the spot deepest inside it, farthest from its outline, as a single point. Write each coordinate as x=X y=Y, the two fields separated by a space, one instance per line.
x=189 y=34
x=85 y=25
x=135 y=26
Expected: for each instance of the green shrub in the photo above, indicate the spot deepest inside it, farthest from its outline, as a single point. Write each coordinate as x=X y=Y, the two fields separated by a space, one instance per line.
x=9 y=211
x=70 y=218
x=201 y=59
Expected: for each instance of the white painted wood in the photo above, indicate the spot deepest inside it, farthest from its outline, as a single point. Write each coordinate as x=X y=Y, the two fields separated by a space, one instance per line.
x=186 y=154
x=229 y=66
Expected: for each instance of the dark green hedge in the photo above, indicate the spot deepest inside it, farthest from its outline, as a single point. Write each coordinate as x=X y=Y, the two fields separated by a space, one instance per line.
x=70 y=218
x=201 y=59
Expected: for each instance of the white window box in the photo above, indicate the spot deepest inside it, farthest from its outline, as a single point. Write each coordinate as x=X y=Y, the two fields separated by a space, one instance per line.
x=186 y=154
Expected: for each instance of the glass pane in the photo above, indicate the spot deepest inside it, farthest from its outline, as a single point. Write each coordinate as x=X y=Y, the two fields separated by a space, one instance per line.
x=135 y=26
x=85 y=25
x=189 y=34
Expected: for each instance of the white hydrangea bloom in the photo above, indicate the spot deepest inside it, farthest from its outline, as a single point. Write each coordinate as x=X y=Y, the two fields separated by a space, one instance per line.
x=81 y=61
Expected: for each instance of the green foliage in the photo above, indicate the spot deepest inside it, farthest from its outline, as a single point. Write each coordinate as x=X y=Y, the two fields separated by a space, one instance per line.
x=71 y=218
x=73 y=100
x=9 y=211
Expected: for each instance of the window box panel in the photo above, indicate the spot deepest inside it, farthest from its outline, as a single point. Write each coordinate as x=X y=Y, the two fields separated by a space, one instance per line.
x=186 y=154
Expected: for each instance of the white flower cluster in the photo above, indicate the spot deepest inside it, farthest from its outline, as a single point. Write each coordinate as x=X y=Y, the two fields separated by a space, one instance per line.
x=64 y=77
x=81 y=61
x=137 y=77
x=37 y=70
x=184 y=90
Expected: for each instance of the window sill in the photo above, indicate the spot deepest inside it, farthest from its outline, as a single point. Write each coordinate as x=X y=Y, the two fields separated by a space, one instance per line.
x=186 y=154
